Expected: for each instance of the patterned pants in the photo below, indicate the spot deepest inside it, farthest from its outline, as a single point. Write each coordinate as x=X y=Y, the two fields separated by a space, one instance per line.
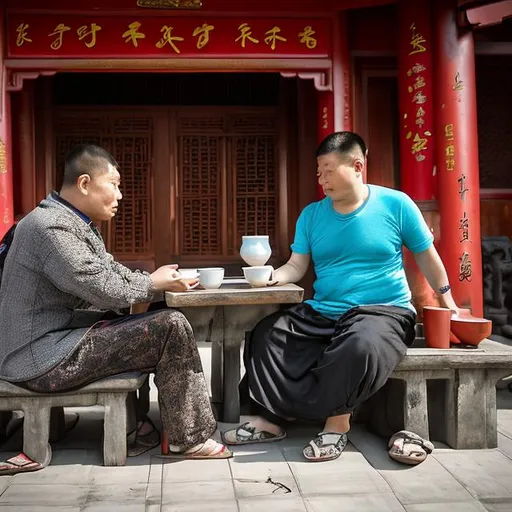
x=161 y=342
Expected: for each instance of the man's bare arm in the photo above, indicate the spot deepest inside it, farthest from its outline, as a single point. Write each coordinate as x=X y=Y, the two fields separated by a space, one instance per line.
x=433 y=269
x=293 y=270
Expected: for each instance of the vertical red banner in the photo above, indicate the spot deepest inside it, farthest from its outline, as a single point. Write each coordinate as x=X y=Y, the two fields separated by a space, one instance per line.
x=416 y=100
x=6 y=198
x=457 y=157
x=325 y=122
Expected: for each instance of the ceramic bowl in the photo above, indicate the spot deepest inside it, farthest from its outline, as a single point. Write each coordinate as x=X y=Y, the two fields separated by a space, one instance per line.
x=211 y=278
x=258 y=276
x=470 y=329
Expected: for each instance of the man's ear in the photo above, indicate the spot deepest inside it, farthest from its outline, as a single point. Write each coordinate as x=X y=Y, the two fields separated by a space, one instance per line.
x=83 y=183
x=358 y=165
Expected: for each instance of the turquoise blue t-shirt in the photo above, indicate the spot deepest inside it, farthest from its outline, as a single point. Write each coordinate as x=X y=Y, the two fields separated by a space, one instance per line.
x=358 y=256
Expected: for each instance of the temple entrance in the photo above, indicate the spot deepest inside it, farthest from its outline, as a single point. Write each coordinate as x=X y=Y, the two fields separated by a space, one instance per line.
x=200 y=166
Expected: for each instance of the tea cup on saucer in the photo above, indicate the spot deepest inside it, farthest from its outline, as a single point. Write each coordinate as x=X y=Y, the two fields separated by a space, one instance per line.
x=258 y=276
x=211 y=278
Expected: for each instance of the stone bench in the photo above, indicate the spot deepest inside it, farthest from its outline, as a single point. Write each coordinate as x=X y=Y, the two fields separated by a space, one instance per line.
x=110 y=392
x=450 y=395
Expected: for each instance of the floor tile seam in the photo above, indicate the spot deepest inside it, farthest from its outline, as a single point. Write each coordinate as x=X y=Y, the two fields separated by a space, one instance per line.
x=233 y=482
x=294 y=476
x=505 y=434
x=455 y=477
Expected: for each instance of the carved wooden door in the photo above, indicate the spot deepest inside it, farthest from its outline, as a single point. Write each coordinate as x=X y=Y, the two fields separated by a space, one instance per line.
x=128 y=136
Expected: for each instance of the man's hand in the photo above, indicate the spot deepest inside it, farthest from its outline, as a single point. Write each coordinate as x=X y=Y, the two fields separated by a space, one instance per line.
x=167 y=278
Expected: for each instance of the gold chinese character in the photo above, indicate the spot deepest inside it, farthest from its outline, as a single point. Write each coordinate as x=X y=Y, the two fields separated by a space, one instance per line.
x=59 y=32
x=462 y=187
x=417 y=41
x=22 y=31
x=420 y=121
x=272 y=37
x=450 y=150
x=464 y=227
x=420 y=112
x=204 y=34
x=465 y=267
x=420 y=144
x=419 y=82
x=448 y=131
x=450 y=164
x=458 y=83
x=168 y=38
x=83 y=32
x=245 y=33
x=133 y=34
x=306 y=37
x=419 y=98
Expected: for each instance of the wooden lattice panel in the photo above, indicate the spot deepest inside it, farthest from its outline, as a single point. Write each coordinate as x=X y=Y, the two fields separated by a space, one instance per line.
x=256 y=187
x=253 y=123
x=130 y=140
x=202 y=124
x=199 y=184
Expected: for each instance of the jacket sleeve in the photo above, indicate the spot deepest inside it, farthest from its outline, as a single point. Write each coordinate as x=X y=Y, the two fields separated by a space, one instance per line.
x=75 y=267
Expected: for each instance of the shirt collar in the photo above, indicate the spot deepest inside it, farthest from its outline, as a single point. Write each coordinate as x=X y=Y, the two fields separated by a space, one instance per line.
x=56 y=196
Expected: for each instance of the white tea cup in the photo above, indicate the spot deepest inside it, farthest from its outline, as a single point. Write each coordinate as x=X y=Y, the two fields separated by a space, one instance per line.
x=211 y=278
x=188 y=273
x=258 y=276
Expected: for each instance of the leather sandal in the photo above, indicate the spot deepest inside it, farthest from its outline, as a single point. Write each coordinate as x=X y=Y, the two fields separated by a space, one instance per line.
x=326 y=446
x=409 y=448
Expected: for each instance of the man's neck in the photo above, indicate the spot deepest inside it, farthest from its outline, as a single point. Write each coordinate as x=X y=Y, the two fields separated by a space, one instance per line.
x=352 y=201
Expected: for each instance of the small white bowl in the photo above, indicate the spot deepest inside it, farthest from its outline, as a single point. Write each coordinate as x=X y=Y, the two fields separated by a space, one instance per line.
x=258 y=276
x=211 y=278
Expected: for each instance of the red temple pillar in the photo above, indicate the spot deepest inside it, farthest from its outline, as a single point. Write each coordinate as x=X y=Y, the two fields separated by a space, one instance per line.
x=417 y=156
x=6 y=198
x=457 y=157
x=325 y=122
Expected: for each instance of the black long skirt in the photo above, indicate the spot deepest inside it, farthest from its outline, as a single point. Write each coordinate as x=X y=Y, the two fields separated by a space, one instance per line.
x=302 y=365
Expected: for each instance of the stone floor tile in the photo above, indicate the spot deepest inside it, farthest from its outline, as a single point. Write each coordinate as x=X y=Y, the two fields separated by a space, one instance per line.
x=505 y=419
x=278 y=485
x=466 y=506
x=201 y=491
x=73 y=457
x=54 y=496
x=113 y=507
x=497 y=505
x=349 y=474
x=383 y=502
x=5 y=481
x=196 y=470
x=120 y=494
x=505 y=445
x=72 y=474
x=108 y=475
x=258 y=462
x=273 y=503
x=484 y=473
x=37 y=508
x=196 y=506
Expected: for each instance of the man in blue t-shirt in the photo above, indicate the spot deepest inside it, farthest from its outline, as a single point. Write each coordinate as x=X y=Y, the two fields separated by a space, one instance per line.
x=323 y=358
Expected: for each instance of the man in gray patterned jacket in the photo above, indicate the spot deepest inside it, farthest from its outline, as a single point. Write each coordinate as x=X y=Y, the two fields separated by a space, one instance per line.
x=58 y=289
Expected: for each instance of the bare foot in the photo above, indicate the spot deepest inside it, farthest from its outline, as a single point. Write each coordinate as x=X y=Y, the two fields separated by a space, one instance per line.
x=260 y=423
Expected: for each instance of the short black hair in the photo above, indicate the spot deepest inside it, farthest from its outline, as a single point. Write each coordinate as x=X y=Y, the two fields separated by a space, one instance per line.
x=85 y=159
x=342 y=143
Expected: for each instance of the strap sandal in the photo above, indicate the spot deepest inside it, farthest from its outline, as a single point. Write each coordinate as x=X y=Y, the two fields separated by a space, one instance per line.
x=210 y=449
x=245 y=434
x=409 y=448
x=22 y=463
x=141 y=443
x=326 y=446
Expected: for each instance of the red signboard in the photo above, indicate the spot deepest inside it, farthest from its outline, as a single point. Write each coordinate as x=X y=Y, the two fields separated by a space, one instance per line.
x=138 y=36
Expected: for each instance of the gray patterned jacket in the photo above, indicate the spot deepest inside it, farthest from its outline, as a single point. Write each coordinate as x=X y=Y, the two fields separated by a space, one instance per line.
x=58 y=280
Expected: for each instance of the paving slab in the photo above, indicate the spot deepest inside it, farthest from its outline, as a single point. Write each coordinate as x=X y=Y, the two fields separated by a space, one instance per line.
x=40 y=508
x=196 y=470
x=429 y=482
x=212 y=506
x=113 y=507
x=274 y=504
x=466 y=506
x=120 y=494
x=259 y=462
x=54 y=495
x=505 y=445
x=383 y=502
x=5 y=481
x=101 y=475
x=497 y=505
x=200 y=492
x=484 y=473
x=71 y=474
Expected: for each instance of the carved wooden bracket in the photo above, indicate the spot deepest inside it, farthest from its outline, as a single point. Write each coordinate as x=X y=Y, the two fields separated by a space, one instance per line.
x=322 y=79
x=15 y=78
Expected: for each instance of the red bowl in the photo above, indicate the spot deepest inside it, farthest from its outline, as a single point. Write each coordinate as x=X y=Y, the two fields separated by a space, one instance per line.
x=470 y=329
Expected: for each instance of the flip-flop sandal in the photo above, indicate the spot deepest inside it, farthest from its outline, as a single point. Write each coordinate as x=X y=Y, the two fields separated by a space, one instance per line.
x=23 y=464
x=141 y=443
x=326 y=446
x=210 y=449
x=244 y=434
x=409 y=448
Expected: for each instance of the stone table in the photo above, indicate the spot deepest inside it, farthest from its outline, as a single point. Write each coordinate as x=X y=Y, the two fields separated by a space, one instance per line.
x=225 y=315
